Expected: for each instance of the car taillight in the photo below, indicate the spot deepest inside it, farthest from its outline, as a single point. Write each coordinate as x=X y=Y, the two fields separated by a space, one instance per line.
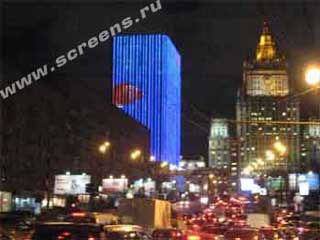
x=301 y=229
x=78 y=214
x=91 y=238
x=63 y=235
x=193 y=237
x=176 y=234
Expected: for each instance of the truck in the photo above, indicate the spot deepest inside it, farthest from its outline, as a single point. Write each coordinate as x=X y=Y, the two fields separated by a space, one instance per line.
x=148 y=213
x=258 y=220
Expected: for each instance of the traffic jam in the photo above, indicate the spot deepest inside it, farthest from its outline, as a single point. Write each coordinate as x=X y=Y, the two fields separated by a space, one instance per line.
x=225 y=218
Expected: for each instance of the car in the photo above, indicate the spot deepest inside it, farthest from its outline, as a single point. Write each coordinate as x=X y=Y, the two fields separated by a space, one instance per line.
x=125 y=232
x=244 y=233
x=168 y=234
x=18 y=224
x=313 y=225
x=309 y=235
x=17 y=221
x=67 y=231
x=5 y=236
x=271 y=233
x=215 y=232
x=80 y=217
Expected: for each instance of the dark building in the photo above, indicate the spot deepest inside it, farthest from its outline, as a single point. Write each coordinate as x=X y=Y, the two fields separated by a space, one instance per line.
x=47 y=139
x=264 y=97
x=310 y=148
x=57 y=123
x=219 y=147
x=147 y=86
x=234 y=166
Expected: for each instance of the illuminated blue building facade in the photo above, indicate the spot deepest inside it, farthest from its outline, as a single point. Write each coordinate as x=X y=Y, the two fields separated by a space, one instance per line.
x=147 y=86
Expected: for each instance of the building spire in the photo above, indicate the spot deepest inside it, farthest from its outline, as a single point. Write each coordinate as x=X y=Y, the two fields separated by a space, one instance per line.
x=266 y=50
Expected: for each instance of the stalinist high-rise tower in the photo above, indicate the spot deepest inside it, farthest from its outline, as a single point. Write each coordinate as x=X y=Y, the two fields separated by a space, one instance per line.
x=263 y=99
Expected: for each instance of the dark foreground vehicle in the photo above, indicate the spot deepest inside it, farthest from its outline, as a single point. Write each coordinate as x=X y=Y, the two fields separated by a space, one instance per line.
x=168 y=234
x=271 y=233
x=243 y=234
x=5 y=236
x=66 y=231
x=125 y=232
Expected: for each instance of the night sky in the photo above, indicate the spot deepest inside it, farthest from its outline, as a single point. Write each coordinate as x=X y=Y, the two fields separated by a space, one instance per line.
x=213 y=37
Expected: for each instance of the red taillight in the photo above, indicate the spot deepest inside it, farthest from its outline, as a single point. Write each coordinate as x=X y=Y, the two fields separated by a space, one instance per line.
x=91 y=238
x=301 y=229
x=78 y=214
x=193 y=237
x=63 y=235
x=176 y=234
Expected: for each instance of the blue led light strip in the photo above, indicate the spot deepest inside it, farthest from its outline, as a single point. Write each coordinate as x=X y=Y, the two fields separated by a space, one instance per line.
x=150 y=63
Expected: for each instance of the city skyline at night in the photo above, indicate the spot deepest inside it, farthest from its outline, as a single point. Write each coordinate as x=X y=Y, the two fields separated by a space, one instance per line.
x=158 y=119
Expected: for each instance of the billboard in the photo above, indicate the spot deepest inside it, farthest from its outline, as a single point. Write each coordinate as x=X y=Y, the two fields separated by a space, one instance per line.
x=311 y=178
x=247 y=184
x=250 y=187
x=146 y=84
x=114 y=185
x=180 y=183
x=304 y=188
x=71 y=184
x=276 y=183
x=5 y=201
x=148 y=186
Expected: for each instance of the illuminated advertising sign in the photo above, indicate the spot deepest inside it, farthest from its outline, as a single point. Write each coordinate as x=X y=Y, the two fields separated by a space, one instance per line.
x=146 y=186
x=304 y=188
x=311 y=178
x=180 y=183
x=194 y=188
x=114 y=185
x=149 y=186
x=5 y=201
x=247 y=184
x=71 y=184
x=276 y=183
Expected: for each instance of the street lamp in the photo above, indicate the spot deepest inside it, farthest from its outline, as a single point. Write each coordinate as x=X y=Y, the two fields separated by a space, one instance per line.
x=312 y=76
x=280 y=147
x=135 y=154
x=260 y=162
x=254 y=165
x=270 y=156
x=100 y=168
x=164 y=164
x=103 y=147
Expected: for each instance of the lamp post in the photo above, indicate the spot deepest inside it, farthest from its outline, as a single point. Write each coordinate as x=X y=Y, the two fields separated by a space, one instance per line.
x=103 y=149
x=312 y=77
x=136 y=154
